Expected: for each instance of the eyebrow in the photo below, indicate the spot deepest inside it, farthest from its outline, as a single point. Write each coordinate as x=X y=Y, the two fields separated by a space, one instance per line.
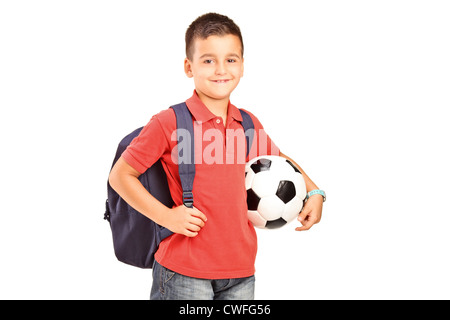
x=207 y=55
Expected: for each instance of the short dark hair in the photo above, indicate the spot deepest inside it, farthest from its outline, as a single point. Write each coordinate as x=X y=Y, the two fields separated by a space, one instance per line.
x=210 y=24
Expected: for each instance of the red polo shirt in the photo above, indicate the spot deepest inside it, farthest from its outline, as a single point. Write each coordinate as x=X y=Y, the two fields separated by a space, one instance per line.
x=226 y=246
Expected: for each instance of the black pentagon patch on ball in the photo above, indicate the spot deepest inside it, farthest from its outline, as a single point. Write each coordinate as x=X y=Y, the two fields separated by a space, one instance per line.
x=293 y=166
x=252 y=200
x=275 y=223
x=261 y=165
x=286 y=191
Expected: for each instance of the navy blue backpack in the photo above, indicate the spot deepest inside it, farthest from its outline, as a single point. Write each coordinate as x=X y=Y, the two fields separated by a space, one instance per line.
x=136 y=237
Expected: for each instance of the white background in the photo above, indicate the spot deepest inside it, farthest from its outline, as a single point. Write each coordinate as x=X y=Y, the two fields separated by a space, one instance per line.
x=355 y=91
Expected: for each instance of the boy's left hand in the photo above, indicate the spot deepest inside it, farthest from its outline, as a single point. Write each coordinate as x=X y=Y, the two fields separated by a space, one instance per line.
x=311 y=213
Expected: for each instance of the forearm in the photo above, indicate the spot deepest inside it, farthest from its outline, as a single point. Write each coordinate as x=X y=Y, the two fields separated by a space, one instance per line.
x=310 y=185
x=125 y=182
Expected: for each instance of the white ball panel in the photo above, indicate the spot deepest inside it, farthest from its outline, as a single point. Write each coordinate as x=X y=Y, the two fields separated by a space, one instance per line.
x=300 y=186
x=283 y=168
x=265 y=184
x=249 y=179
x=292 y=209
x=256 y=219
x=271 y=207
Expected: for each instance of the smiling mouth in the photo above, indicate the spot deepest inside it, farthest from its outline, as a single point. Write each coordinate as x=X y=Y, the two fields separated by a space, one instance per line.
x=220 y=81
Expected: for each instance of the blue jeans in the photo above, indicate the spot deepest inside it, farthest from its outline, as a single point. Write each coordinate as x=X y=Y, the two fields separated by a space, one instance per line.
x=169 y=285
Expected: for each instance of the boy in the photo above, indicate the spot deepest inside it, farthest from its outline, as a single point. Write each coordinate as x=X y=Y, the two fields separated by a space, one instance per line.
x=212 y=252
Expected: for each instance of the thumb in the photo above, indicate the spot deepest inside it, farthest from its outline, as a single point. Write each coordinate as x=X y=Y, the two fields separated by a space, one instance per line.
x=305 y=212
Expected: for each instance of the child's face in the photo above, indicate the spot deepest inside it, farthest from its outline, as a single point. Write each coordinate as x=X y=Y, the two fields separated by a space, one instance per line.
x=216 y=66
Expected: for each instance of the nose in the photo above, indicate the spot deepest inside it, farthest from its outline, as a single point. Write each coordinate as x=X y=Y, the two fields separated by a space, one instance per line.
x=220 y=68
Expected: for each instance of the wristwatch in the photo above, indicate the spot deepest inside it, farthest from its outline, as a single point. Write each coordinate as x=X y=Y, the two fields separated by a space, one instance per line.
x=317 y=191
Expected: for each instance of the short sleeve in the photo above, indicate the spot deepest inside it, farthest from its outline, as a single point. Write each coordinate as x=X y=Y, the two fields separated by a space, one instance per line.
x=147 y=147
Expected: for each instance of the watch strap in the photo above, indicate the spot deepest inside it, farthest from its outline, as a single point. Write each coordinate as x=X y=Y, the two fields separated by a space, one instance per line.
x=317 y=191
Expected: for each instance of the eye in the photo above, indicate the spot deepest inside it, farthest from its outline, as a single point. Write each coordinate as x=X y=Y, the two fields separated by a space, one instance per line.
x=231 y=60
x=208 y=61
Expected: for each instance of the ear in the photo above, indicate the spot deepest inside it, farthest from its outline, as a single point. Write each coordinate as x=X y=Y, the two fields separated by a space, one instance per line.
x=242 y=71
x=188 y=68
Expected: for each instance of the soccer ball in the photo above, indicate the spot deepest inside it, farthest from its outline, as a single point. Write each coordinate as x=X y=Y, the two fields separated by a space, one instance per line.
x=275 y=191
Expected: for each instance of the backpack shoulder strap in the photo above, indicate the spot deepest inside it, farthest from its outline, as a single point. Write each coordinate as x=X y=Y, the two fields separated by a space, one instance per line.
x=249 y=129
x=186 y=162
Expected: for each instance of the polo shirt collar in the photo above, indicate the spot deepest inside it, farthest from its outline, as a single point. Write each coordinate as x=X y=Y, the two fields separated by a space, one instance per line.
x=201 y=113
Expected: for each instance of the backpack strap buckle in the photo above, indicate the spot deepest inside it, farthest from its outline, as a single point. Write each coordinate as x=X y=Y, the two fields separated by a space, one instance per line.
x=107 y=215
x=188 y=199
